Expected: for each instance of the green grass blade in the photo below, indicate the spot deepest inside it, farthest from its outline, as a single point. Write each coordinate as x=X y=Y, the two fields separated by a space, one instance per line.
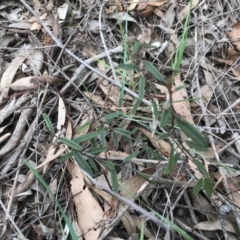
x=85 y=137
x=136 y=46
x=115 y=139
x=97 y=150
x=128 y=67
x=192 y=132
x=48 y=122
x=83 y=163
x=208 y=186
x=198 y=186
x=71 y=144
x=41 y=180
x=130 y=157
x=201 y=168
x=153 y=70
x=66 y=156
x=165 y=117
x=102 y=136
x=122 y=132
x=112 y=170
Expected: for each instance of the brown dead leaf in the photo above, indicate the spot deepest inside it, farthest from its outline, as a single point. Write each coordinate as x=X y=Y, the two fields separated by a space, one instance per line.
x=133 y=5
x=89 y=212
x=233 y=186
x=9 y=74
x=134 y=183
x=144 y=9
x=147 y=233
x=206 y=94
x=52 y=154
x=127 y=220
x=215 y=225
x=163 y=146
x=180 y=105
x=157 y=3
x=109 y=90
x=200 y=202
x=234 y=35
x=185 y=10
x=33 y=82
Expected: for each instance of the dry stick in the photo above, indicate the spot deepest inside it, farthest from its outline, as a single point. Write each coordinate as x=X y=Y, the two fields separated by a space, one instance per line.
x=225 y=111
x=104 y=43
x=129 y=203
x=189 y=229
x=11 y=220
x=11 y=200
x=78 y=59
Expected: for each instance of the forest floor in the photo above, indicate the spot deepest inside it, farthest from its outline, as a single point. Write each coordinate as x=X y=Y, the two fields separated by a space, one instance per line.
x=119 y=119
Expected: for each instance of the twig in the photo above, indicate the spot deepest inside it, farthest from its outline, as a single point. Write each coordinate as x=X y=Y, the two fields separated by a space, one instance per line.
x=11 y=220
x=78 y=59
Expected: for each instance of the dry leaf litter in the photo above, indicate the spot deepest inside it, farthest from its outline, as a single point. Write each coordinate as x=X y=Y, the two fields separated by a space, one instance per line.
x=59 y=59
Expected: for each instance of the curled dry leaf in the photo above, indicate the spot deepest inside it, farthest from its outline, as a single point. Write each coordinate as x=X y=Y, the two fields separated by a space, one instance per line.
x=180 y=105
x=184 y=12
x=134 y=183
x=163 y=146
x=127 y=220
x=214 y=225
x=234 y=35
x=157 y=3
x=34 y=82
x=10 y=72
x=89 y=213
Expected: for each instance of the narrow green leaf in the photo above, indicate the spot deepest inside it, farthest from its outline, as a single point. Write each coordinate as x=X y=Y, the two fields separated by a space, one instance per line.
x=153 y=70
x=201 y=167
x=198 y=186
x=163 y=136
x=196 y=146
x=144 y=45
x=85 y=137
x=102 y=136
x=136 y=46
x=168 y=167
x=180 y=87
x=128 y=67
x=142 y=231
x=93 y=165
x=71 y=144
x=45 y=185
x=165 y=117
x=48 y=122
x=208 y=186
x=115 y=139
x=84 y=127
x=141 y=92
x=97 y=150
x=122 y=132
x=152 y=153
x=155 y=109
x=93 y=142
x=83 y=163
x=66 y=156
x=130 y=157
x=192 y=132
x=112 y=170
x=112 y=116
x=141 y=88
